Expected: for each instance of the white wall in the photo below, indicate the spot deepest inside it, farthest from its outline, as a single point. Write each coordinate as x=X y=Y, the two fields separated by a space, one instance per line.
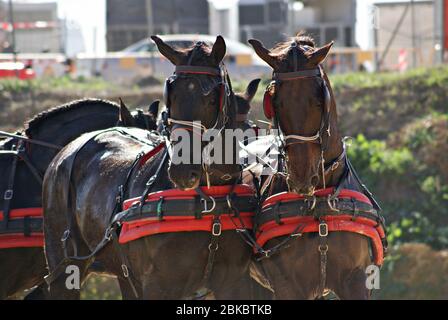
x=224 y=18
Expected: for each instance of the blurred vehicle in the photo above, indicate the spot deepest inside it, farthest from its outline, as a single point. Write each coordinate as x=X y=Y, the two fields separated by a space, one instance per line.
x=142 y=60
x=18 y=70
x=43 y=65
x=236 y=51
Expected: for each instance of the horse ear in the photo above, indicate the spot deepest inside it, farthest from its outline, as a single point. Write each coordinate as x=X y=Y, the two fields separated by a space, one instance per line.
x=319 y=55
x=167 y=51
x=126 y=118
x=252 y=89
x=154 y=108
x=219 y=49
x=263 y=53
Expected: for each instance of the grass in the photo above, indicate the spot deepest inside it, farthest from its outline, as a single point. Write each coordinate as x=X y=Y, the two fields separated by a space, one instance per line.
x=54 y=84
x=421 y=76
x=360 y=80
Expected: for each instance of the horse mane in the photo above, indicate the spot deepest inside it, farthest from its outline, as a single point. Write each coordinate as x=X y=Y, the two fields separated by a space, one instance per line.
x=302 y=39
x=200 y=57
x=44 y=116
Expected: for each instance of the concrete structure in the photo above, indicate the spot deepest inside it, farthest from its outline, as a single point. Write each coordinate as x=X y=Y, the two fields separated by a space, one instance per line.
x=274 y=20
x=266 y=20
x=414 y=39
x=37 y=27
x=224 y=19
x=127 y=22
x=326 y=21
x=132 y=20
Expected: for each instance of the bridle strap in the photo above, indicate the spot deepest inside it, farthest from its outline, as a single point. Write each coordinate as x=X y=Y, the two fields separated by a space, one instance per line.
x=306 y=73
x=302 y=139
x=325 y=119
x=225 y=100
x=198 y=70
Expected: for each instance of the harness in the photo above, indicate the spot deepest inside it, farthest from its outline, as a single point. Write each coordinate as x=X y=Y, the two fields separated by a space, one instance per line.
x=21 y=228
x=210 y=209
x=111 y=232
x=349 y=206
x=216 y=78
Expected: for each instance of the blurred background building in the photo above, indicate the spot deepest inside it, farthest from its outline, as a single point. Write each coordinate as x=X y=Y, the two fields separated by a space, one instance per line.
x=268 y=20
x=369 y=34
x=37 y=27
x=264 y=20
x=133 y=20
x=326 y=20
x=408 y=27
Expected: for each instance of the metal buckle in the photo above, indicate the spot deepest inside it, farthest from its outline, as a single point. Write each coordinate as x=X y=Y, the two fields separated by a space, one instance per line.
x=323 y=229
x=125 y=270
x=332 y=203
x=334 y=166
x=296 y=234
x=206 y=209
x=313 y=205
x=229 y=202
x=226 y=177
x=216 y=229
x=267 y=253
x=323 y=249
x=213 y=248
x=65 y=235
x=8 y=194
x=108 y=234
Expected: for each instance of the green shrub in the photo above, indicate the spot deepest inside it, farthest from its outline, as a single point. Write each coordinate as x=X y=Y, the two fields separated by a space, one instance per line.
x=413 y=197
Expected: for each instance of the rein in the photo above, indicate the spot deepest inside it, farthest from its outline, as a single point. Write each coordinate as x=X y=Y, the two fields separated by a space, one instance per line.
x=29 y=140
x=111 y=232
x=119 y=217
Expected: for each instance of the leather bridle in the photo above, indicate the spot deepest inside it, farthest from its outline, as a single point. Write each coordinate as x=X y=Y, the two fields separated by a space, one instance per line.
x=217 y=75
x=219 y=78
x=323 y=134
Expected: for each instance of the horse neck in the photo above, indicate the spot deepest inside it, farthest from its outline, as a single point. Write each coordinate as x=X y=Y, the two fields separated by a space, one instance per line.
x=335 y=145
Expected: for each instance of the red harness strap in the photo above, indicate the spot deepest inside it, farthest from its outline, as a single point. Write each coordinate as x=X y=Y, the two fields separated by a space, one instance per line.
x=132 y=230
x=19 y=240
x=341 y=222
x=151 y=153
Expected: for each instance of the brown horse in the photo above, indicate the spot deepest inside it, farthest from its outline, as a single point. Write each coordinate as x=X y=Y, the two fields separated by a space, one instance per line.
x=83 y=180
x=24 y=268
x=302 y=106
